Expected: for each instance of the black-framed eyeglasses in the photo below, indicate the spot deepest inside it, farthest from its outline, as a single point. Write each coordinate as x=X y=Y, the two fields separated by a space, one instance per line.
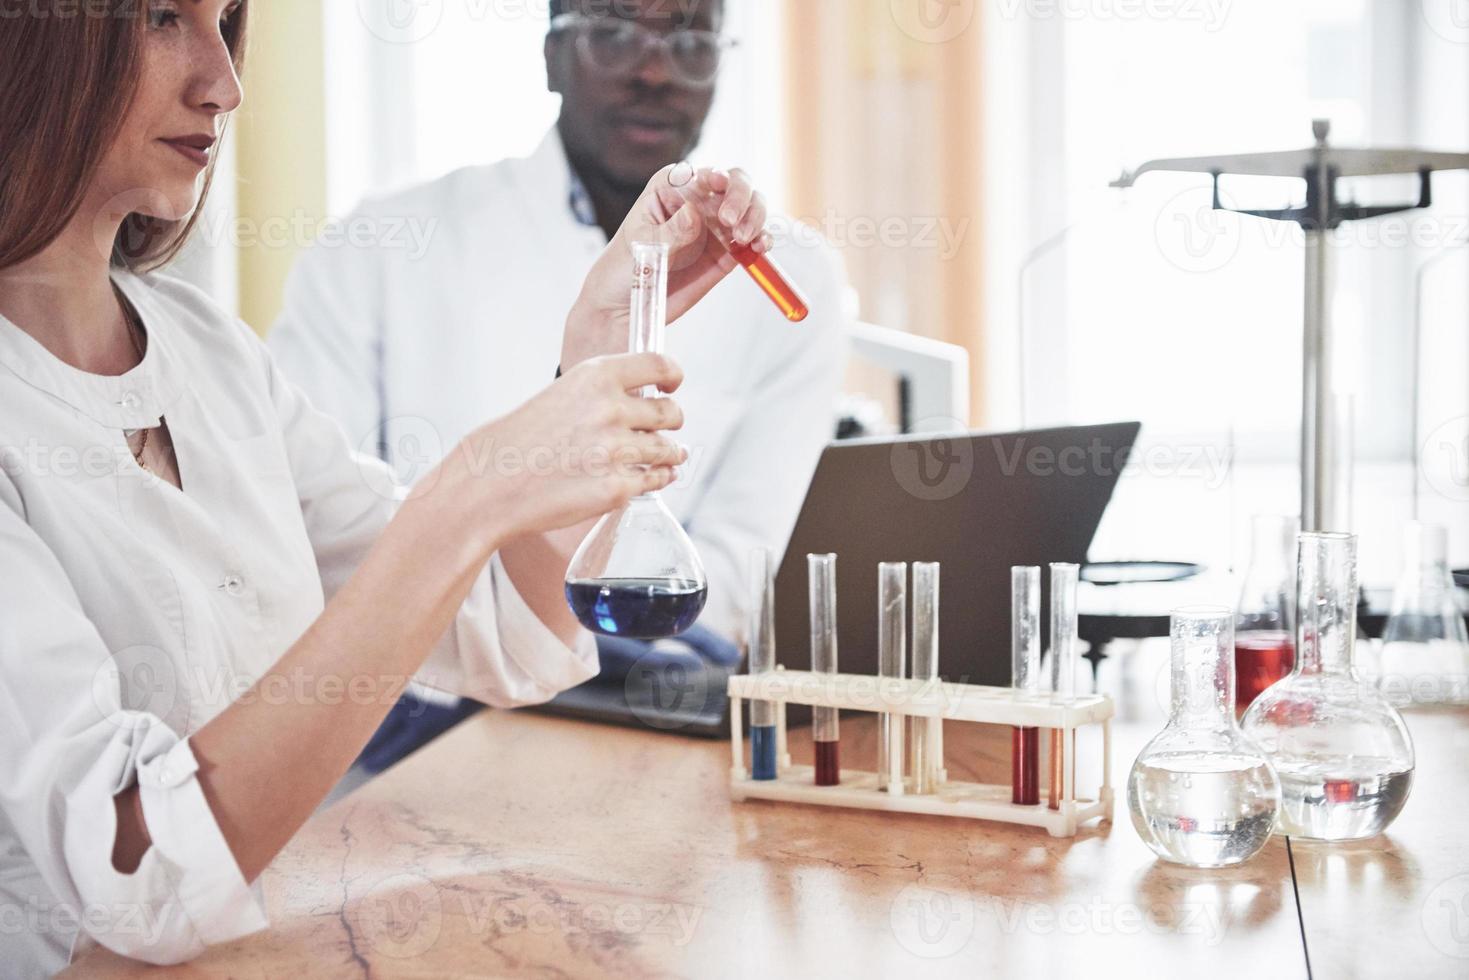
x=617 y=47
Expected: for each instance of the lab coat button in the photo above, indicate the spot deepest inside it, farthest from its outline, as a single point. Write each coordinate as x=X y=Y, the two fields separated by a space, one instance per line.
x=233 y=584
x=131 y=401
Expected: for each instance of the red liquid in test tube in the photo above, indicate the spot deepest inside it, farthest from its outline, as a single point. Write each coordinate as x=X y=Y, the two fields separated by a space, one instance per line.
x=1025 y=679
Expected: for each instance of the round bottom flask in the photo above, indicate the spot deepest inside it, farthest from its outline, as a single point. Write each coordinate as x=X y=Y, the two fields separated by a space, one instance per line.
x=1342 y=751
x=1202 y=794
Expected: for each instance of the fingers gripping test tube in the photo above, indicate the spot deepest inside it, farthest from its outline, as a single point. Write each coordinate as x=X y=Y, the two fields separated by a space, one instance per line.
x=822 y=582
x=892 y=655
x=1025 y=679
x=761 y=268
x=925 y=739
x=1063 y=677
x=763 y=749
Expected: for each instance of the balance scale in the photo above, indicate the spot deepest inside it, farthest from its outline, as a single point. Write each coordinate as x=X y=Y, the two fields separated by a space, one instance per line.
x=1321 y=166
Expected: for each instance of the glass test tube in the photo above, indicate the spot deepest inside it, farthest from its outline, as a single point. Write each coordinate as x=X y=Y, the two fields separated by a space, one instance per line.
x=762 y=660
x=822 y=575
x=762 y=268
x=648 y=323
x=924 y=739
x=1063 y=672
x=892 y=655
x=1025 y=678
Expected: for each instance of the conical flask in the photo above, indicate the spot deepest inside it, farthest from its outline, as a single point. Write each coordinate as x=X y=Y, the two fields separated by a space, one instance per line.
x=1201 y=793
x=1425 y=647
x=1342 y=752
x=637 y=574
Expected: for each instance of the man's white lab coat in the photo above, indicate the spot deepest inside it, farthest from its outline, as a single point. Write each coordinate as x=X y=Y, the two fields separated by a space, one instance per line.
x=439 y=308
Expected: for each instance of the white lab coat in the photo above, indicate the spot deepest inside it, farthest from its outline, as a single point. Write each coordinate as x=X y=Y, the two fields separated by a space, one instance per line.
x=132 y=613
x=412 y=346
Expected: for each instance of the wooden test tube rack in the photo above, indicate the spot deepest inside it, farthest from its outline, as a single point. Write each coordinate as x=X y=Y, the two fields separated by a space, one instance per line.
x=919 y=699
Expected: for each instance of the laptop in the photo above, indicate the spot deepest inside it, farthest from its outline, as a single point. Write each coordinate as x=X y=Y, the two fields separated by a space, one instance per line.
x=976 y=503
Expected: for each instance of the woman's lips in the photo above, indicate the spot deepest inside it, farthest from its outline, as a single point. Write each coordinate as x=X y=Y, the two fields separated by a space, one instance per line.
x=196 y=155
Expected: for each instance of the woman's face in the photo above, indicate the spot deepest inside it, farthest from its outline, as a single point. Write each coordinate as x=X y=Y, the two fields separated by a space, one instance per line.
x=186 y=87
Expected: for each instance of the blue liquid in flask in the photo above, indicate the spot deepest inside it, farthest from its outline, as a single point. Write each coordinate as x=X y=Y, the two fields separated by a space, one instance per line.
x=636 y=608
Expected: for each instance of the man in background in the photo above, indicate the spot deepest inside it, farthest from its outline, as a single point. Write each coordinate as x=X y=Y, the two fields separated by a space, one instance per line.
x=411 y=353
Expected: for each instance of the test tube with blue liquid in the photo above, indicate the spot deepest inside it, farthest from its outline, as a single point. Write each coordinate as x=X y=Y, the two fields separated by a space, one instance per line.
x=822 y=583
x=762 y=661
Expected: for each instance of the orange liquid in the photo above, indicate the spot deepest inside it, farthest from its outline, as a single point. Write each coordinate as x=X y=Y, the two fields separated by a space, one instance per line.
x=768 y=277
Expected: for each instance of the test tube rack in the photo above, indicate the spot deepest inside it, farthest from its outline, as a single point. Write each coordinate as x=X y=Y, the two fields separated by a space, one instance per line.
x=920 y=699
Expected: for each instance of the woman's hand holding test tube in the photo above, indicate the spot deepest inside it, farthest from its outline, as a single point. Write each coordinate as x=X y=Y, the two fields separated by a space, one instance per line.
x=710 y=207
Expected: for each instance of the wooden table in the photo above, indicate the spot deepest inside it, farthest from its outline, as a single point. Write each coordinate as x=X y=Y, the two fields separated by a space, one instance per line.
x=523 y=845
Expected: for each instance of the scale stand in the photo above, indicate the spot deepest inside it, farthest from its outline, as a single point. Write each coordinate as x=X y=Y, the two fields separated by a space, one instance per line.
x=1321 y=166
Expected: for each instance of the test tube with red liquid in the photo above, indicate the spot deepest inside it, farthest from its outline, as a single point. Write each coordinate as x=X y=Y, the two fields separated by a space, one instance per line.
x=822 y=583
x=1025 y=679
x=1063 y=672
x=761 y=268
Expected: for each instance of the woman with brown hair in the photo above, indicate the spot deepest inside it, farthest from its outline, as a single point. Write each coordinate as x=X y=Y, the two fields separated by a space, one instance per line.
x=209 y=601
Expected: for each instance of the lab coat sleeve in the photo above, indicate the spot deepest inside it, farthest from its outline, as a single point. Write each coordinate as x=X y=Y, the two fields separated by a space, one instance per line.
x=70 y=747
x=497 y=650
x=756 y=492
x=328 y=338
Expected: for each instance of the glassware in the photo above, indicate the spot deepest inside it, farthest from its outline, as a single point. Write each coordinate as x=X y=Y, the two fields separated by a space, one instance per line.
x=892 y=661
x=1425 y=646
x=1064 y=577
x=1342 y=752
x=925 y=737
x=825 y=722
x=1025 y=679
x=762 y=661
x=637 y=574
x=1201 y=793
x=1264 y=645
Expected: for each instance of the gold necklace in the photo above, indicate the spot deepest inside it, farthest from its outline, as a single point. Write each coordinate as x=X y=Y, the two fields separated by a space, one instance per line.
x=130 y=320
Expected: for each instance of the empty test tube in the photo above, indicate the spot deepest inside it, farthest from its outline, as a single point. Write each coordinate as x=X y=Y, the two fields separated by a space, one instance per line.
x=822 y=575
x=892 y=656
x=1025 y=678
x=923 y=740
x=762 y=661
x=1063 y=671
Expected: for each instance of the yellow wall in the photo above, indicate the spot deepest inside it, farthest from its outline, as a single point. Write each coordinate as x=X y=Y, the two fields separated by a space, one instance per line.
x=281 y=146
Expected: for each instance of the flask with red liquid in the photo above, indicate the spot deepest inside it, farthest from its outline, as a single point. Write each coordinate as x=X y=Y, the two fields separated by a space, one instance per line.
x=1264 y=645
